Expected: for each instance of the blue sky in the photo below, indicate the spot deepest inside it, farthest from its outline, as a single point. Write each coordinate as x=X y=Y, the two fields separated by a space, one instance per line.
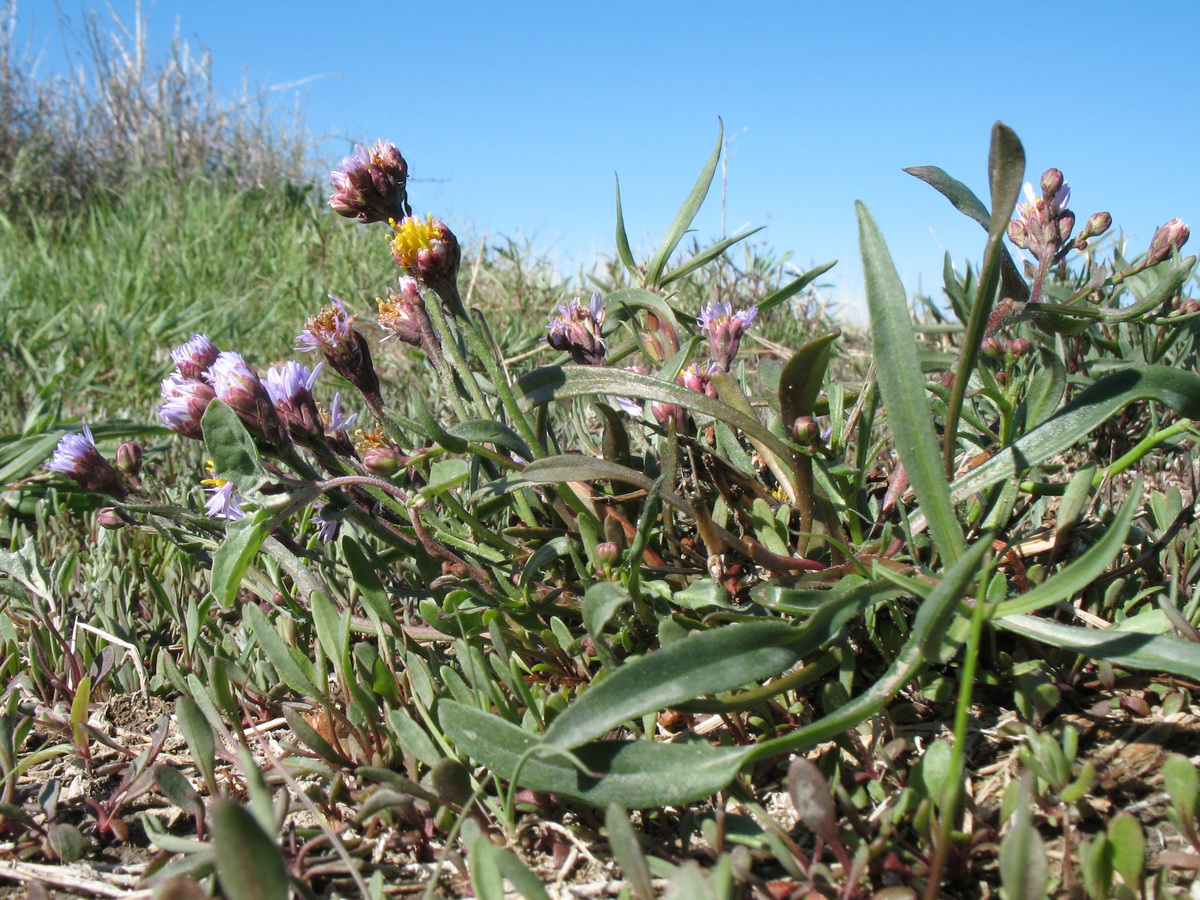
x=515 y=116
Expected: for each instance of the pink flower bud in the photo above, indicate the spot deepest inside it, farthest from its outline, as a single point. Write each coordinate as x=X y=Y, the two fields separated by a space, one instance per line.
x=109 y=518
x=129 y=458
x=1167 y=240
x=1052 y=181
x=384 y=461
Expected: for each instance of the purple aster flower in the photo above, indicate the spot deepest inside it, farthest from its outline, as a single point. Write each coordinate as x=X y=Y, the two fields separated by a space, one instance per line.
x=76 y=457
x=370 y=186
x=223 y=501
x=332 y=332
x=195 y=356
x=186 y=400
x=290 y=389
x=329 y=521
x=577 y=330
x=428 y=251
x=723 y=328
x=238 y=387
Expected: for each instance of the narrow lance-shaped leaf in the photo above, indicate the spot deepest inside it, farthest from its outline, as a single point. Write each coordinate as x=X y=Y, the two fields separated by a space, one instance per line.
x=903 y=388
x=1176 y=389
x=687 y=212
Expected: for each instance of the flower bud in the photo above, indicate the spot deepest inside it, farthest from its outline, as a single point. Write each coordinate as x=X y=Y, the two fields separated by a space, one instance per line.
x=578 y=331
x=992 y=348
x=1096 y=225
x=332 y=332
x=1017 y=348
x=724 y=330
x=1168 y=239
x=698 y=378
x=384 y=461
x=1016 y=233
x=238 y=387
x=1052 y=181
x=667 y=414
x=129 y=458
x=806 y=431
x=607 y=553
x=1189 y=306
x=76 y=457
x=109 y=518
x=193 y=358
x=1065 y=222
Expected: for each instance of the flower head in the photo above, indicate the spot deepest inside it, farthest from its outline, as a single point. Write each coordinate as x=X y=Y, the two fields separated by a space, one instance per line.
x=724 y=328
x=76 y=457
x=238 y=387
x=427 y=250
x=577 y=330
x=290 y=389
x=223 y=501
x=186 y=400
x=370 y=186
x=332 y=332
x=329 y=521
x=194 y=356
x=403 y=314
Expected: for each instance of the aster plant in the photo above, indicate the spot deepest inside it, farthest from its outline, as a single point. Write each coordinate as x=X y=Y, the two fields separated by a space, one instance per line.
x=548 y=574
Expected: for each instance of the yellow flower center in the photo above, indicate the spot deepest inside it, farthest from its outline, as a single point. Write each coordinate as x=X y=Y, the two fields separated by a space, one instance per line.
x=412 y=235
x=212 y=481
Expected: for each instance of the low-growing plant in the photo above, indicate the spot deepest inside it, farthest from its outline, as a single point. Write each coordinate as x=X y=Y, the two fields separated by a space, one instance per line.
x=634 y=567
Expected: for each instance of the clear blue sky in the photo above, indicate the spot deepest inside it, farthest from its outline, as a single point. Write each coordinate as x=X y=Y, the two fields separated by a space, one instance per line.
x=519 y=113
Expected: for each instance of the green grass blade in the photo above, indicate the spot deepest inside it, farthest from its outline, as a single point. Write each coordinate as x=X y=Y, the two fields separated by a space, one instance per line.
x=623 y=251
x=903 y=388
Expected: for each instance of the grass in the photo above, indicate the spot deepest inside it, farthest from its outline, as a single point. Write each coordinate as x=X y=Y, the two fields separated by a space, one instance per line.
x=715 y=646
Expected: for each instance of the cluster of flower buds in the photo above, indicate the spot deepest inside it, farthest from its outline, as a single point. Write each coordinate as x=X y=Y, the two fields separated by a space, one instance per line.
x=1010 y=351
x=724 y=328
x=1044 y=225
x=577 y=330
x=370 y=186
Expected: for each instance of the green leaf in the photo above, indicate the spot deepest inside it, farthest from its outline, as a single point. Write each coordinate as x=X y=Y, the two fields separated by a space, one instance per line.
x=623 y=252
x=553 y=383
x=1175 y=388
x=1130 y=650
x=707 y=662
x=687 y=212
x=955 y=191
x=638 y=774
x=249 y=864
x=1174 y=275
x=790 y=290
x=1045 y=390
x=1128 y=848
x=366 y=579
x=801 y=379
x=234 y=456
x=243 y=539
x=412 y=737
x=1183 y=787
x=1024 y=870
x=299 y=678
x=708 y=254
x=1082 y=571
x=628 y=851
x=903 y=388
